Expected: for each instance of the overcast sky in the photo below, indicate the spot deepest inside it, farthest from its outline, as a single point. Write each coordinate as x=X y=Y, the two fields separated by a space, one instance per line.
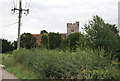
x=52 y=15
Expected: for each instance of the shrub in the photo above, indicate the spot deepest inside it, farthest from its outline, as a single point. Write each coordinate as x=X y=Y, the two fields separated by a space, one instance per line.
x=54 y=64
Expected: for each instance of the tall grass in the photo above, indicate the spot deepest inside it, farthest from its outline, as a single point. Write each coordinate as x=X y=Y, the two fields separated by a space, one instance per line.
x=55 y=64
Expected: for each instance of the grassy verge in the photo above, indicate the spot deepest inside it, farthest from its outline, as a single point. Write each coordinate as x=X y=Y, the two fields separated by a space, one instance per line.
x=0 y=58
x=19 y=70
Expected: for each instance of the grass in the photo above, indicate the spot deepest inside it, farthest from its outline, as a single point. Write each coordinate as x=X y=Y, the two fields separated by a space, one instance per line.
x=0 y=58
x=19 y=70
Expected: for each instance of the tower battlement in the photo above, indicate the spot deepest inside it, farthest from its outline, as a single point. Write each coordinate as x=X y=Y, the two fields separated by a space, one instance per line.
x=72 y=27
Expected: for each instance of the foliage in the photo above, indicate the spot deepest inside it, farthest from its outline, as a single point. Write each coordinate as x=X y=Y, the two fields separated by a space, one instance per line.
x=74 y=41
x=45 y=40
x=0 y=58
x=114 y=28
x=28 y=41
x=7 y=46
x=101 y=35
x=54 y=40
x=15 y=44
x=65 y=45
x=43 y=31
x=82 y=64
x=117 y=51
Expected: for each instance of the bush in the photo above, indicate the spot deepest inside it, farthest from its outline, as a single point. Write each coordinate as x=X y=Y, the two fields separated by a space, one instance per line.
x=54 y=64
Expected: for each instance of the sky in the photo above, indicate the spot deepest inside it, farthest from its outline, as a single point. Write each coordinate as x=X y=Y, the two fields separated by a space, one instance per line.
x=53 y=15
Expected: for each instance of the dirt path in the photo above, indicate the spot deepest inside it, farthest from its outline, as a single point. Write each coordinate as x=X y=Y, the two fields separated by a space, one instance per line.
x=6 y=75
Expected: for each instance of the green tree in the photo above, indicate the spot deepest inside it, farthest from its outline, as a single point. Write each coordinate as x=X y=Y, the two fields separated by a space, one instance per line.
x=7 y=46
x=15 y=44
x=65 y=45
x=43 y=31
x=73 y=40
x=114 y=28
x=54 y=40
x=82 y=40
x=100 y=35
x=28 y=41
x=45 y=40
x=117 y=51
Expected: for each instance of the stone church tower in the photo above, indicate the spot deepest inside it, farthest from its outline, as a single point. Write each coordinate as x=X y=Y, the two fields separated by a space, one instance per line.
x=72 y=28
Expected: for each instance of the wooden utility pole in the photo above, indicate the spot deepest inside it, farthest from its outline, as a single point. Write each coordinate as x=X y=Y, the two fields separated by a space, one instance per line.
x=26 y=11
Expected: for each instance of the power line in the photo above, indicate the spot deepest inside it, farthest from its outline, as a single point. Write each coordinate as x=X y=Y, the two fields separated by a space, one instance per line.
x=14 y=4
x=26 y=5
x=3 y=5
x=8 y=25
x=29 y=4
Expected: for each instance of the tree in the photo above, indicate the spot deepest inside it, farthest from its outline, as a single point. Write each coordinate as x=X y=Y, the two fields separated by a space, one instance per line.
x=118 y=50
x=100 y=35
x=43 y=31
x=28 y=41
x=54 y=40
x=114 y=28
x=73 y=41
x=7 y=46
x=65 y=45
x=45 y=40
x=15 y=44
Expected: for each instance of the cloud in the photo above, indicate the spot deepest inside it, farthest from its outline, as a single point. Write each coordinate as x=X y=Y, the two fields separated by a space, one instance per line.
x=52 y=15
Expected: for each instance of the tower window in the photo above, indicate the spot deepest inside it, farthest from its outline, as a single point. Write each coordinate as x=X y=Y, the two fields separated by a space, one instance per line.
x=72 y=30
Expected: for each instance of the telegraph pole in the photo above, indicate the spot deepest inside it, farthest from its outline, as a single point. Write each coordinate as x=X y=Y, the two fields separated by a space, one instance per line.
x=20 y=10
x=19 y=24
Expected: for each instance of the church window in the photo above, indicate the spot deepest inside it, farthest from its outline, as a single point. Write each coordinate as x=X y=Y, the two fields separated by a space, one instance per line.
x=72 y=30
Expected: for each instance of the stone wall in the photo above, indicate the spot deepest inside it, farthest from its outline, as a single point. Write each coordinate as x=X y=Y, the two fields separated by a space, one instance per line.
x=72 y=28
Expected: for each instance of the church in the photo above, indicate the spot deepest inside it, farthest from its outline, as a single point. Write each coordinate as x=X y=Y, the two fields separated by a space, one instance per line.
x=71 y=28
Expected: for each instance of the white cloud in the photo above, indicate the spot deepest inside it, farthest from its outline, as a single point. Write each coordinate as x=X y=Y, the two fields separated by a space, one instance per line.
x=52 y=15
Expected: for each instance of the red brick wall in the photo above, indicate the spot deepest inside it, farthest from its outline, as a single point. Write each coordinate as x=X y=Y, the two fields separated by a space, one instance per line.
x=38 y=37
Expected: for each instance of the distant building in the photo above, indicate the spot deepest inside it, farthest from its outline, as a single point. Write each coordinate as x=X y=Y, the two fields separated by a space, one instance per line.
x=71 y=28
x=119 y=17
x=38 y=38
x=63 y=36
